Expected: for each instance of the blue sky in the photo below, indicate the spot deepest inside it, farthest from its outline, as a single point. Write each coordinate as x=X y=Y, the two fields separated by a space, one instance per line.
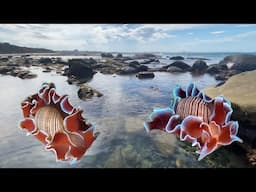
x=133 y=37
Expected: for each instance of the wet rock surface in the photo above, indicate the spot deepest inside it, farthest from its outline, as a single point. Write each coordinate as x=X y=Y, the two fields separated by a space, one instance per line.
x=180 y=64
x=199 y=67
x=86 y=92
x=240 y=89
x=240 y=62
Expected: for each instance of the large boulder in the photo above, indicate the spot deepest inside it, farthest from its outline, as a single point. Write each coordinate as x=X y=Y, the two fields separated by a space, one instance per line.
x=177 y=58
x=81 y=68
x=179 y=64
x=240 y=90
x=240 y=62
x=199 y=67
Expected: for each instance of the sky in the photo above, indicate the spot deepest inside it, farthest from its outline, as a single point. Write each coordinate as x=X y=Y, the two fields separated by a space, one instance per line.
x=133 y=37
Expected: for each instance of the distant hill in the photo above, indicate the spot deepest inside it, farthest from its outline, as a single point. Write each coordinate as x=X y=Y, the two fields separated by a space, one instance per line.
x=6 y=48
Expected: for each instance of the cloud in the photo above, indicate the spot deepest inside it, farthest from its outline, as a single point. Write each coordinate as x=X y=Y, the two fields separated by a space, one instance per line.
x=217 y=32
x=246 y=25
x=95 y=35
x=109 y=37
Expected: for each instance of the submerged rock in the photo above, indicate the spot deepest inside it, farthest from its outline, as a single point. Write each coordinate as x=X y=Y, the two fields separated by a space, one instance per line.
x=240 y=90
x=87 y=92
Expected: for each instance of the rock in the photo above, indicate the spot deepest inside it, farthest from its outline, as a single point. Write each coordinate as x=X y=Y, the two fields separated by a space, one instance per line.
x=224 y=75
x=109 y=55
x=144 y=75
x=81 y=68
x=109 y=70
x=178 y=163
x=5 y=69
x=47 y=70
x=72 y=80
x=216 y=68
x=220 y=83
x=144 y=56
x=240 y=62
x=199 y=67
x=143 y=68
x=180 y=64
x=87 y=92
x=28 y=61
x=127 y=70
x=251 y=156
x=240 y=90
x=45 y=60
x=134 y=64
x=197 y=58
x=212 y=70
x=25 y=74
x=4 y=59
x=157 y=69
x=60 y=61
x=221 y=77
x=148 y=61
x=174 y=69
x=177 y=58
x=119 y=55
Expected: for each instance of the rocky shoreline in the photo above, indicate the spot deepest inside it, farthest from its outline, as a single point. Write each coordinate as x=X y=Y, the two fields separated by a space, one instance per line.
x=235 y=73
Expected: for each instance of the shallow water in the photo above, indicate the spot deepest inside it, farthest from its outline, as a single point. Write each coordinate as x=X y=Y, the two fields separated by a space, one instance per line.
x=118 y=116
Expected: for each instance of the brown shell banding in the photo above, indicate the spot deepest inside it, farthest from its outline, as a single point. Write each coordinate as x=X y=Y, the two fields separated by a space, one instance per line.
x=194 y=106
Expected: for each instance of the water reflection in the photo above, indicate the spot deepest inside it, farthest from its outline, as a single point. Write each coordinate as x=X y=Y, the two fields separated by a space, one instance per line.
x=118 y=116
